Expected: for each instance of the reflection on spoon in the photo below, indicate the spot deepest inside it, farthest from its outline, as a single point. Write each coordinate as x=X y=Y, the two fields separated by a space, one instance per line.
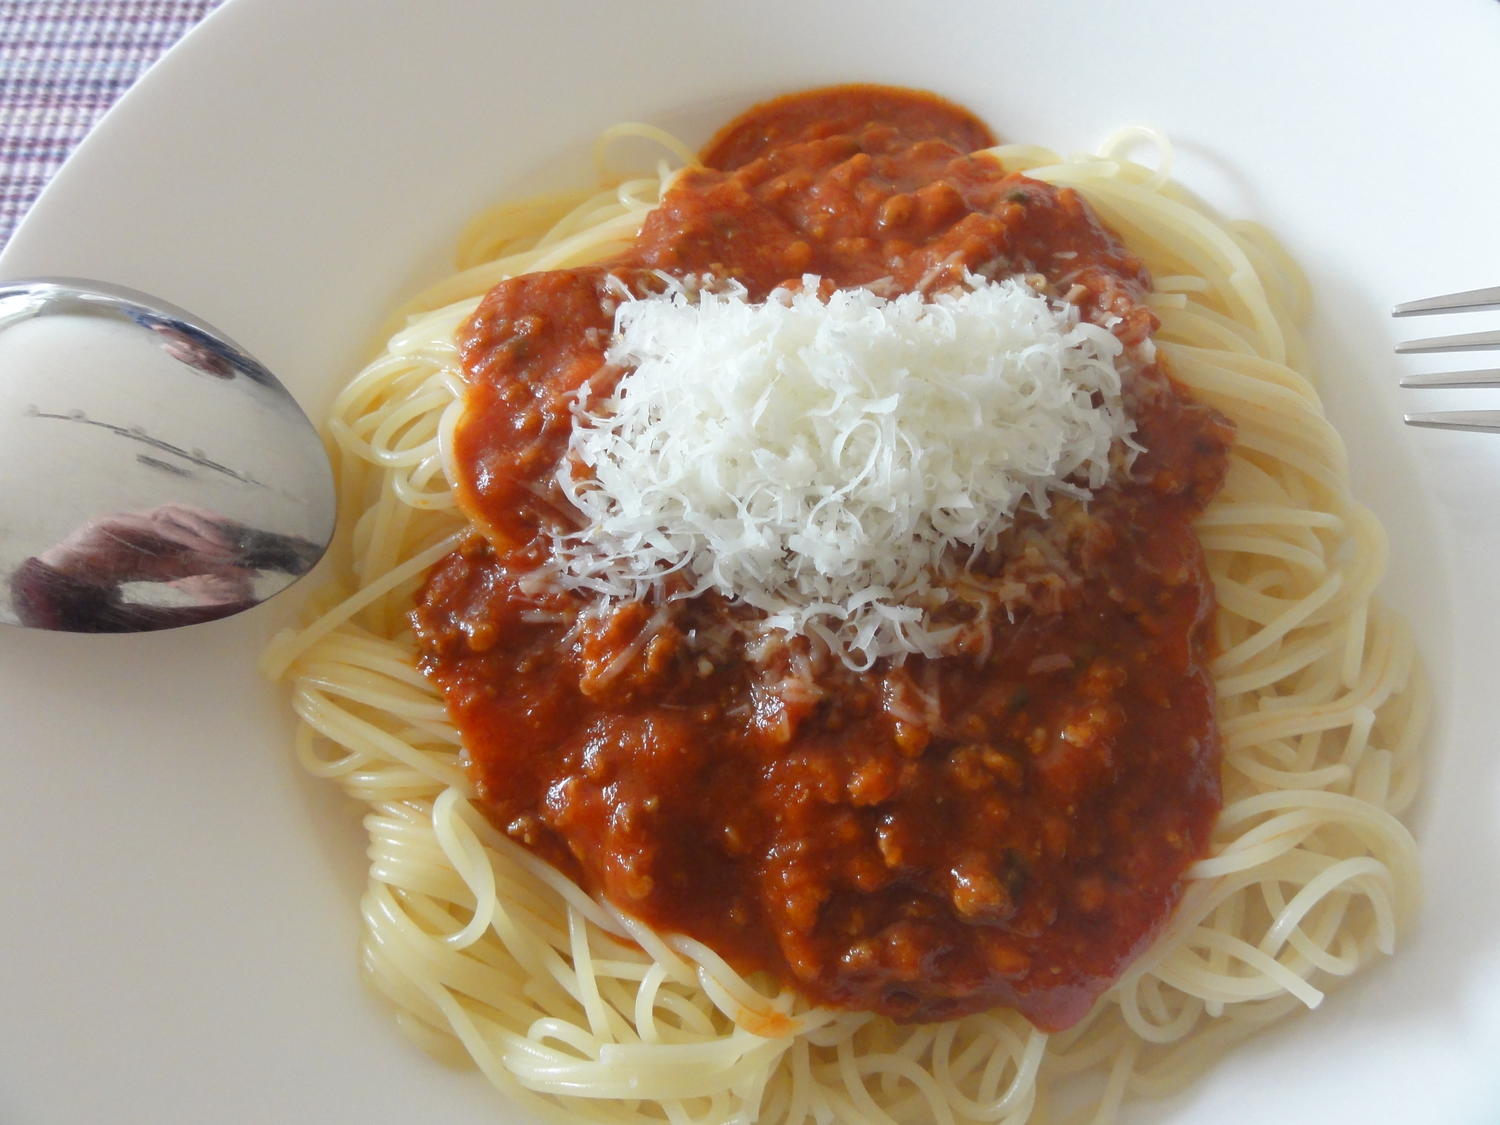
x=155 y=475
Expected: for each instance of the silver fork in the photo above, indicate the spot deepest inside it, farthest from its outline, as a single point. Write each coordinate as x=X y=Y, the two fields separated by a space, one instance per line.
x=1481 y=421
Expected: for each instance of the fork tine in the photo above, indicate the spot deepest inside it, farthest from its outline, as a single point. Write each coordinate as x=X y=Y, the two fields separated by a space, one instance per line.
x=1479 y=421
x=1487 y=378
x=1467 y=342
x=1467 y=301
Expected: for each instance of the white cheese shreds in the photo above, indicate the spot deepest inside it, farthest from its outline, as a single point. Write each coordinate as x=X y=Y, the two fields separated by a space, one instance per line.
x=829 y=460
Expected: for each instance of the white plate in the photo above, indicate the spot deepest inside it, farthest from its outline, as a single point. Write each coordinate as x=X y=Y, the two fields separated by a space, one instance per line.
x=178 y=926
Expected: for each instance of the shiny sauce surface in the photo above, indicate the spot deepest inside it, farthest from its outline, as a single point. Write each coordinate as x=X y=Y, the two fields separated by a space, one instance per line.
x=1007 y=825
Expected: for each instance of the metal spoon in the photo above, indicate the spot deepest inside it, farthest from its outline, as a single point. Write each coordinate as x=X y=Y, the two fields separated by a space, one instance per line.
x=152 y=474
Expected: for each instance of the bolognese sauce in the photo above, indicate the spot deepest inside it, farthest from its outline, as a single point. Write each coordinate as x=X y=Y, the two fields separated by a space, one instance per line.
x=1005 y=824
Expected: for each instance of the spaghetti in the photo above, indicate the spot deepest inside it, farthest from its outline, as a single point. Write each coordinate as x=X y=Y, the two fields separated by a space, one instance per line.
x=580 y=1011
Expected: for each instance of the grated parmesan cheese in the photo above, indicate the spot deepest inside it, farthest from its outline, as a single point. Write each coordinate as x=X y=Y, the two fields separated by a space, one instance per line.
x=831 y=461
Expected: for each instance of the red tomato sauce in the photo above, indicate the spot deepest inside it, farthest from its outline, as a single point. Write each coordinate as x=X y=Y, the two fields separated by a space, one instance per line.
x=1007 y=825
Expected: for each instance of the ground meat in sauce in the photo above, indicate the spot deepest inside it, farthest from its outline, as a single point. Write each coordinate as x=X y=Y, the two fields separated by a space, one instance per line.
x=1004 y=826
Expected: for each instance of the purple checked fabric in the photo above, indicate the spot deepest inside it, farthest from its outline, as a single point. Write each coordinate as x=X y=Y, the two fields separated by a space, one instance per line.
x=62 y=64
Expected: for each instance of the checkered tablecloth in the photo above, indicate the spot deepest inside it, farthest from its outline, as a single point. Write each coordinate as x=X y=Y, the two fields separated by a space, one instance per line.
x=62 y=64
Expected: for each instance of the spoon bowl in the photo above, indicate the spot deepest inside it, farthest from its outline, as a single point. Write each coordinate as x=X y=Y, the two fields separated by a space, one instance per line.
x=155 y=474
